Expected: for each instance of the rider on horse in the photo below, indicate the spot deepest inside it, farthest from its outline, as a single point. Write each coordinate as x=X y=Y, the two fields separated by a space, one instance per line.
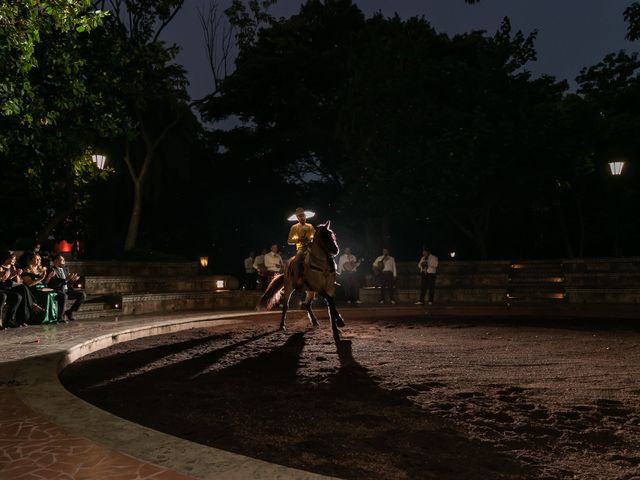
x=301 y=234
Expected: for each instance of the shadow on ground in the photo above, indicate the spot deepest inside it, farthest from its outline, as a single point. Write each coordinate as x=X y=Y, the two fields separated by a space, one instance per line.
x=342 y=423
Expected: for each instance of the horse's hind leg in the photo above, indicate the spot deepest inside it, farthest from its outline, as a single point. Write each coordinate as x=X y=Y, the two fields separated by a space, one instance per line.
x=285 y=307
x=308 y=301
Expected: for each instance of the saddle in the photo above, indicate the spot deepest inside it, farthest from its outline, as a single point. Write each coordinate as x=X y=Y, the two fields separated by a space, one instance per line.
x=304 y=271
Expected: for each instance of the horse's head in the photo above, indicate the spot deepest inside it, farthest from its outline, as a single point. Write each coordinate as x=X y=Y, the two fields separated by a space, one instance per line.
x=327 y=238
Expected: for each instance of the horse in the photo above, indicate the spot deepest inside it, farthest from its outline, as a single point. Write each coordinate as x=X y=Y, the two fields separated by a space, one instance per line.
x=319 y=276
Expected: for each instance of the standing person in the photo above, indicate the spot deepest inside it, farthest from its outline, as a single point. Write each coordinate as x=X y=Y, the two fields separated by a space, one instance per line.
x=386 y=265
x=261 y=271
x=273 y=263
x=249 y=273
x=62 y=281
x=347 y=266
x=428 y=266
x=301 y=235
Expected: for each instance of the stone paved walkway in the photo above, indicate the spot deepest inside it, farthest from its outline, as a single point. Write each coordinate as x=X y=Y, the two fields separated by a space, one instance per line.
x=47 y=433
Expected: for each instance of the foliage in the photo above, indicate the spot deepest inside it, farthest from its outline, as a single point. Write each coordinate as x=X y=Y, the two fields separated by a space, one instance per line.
x=247 y=18
x=23 y=27
x=632 y=17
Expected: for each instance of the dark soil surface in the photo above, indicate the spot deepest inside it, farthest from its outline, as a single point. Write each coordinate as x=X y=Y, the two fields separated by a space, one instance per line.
x=399 y=396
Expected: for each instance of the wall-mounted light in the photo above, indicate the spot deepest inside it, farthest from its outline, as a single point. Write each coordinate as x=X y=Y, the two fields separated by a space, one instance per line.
x=99 y=160
x=204 y=262
x=220 y=284
x=452 y=254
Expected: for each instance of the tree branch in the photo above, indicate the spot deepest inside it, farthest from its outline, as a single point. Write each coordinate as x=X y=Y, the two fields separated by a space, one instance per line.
x=167 y=21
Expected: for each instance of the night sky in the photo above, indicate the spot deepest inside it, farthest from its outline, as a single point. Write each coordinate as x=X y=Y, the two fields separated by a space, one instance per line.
x=572 y=33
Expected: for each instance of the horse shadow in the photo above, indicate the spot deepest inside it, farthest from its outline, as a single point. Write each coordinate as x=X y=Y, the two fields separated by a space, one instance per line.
x=340 y=421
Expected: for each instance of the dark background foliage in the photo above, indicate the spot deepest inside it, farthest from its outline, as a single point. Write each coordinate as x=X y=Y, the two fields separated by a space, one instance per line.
x=401 y=135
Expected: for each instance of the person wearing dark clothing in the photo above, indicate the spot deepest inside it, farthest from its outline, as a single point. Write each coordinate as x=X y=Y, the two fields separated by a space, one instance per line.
x=21 y=304
x=64 y=282
x=385 y=267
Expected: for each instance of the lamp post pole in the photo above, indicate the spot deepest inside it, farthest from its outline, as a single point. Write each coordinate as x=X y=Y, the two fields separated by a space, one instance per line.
x=615 y=168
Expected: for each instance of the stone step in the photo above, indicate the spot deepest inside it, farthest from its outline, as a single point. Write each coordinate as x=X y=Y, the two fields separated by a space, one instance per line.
x=622 y=264
x=94 y=306
x=453 y=267
x=536 y=297
x=140 y=269
x=529 y=285
x=371 y=295
x=604 y=295
x=109 y=284
x=603 y=279
x=135 y=304
x=97 y=314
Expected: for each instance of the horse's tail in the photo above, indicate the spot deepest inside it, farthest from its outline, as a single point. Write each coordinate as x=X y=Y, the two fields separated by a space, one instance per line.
x=272 y=294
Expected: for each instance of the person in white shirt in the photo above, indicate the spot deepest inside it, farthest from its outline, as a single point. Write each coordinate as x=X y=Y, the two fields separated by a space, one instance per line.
x=347 y=266
x=428 y=266
x=385 y=266
x=273 y=263
x=258 y=266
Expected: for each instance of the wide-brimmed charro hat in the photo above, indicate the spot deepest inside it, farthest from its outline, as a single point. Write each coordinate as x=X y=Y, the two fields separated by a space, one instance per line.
x=300 y=210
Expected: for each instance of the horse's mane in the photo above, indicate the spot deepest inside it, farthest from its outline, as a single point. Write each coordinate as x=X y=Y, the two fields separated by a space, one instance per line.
x=327 y=237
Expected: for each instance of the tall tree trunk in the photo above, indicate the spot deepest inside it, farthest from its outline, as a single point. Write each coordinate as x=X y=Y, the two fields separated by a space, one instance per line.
x=581 y=230
x=476 y=234
x=134 y=220
x=564 y=232
x=139 y=179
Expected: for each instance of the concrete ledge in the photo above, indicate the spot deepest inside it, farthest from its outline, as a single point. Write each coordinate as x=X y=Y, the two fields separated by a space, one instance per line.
x=40 y=389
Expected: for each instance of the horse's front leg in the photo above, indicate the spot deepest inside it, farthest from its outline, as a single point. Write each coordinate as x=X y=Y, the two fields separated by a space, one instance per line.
x=308 y=301
x=334 y=315
x=285 y=307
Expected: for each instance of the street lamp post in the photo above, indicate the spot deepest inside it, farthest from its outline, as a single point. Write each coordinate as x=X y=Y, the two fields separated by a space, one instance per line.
x=615 y=168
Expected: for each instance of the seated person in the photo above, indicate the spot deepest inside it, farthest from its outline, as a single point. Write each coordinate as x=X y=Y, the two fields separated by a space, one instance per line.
x=35 y=276
x=20 y=301
x=64 y=282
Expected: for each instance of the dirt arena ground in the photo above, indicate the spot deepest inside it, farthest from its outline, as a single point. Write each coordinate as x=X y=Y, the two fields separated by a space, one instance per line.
x=402 y=395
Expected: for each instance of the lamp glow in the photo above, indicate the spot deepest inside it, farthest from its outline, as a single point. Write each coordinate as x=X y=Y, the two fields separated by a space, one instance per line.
x=307 y=213
x=452 y=254
x=219 y=283
x=616 y=167
x=99 y=160
x=204 y=262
